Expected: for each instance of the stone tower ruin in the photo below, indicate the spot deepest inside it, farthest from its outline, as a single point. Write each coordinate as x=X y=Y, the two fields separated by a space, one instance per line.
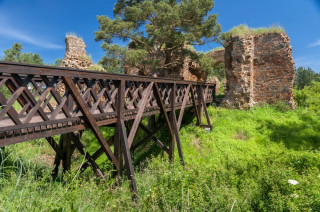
x=259 y=69
x=76 y=56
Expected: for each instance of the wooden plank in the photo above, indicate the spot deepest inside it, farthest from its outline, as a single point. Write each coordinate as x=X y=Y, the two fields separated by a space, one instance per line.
x=90 y=120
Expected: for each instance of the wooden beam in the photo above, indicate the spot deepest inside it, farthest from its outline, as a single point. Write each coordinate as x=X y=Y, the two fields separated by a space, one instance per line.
x=184 y=103
x=142 y=105
x=195 y=105
x=128 y=160
x=90 y=120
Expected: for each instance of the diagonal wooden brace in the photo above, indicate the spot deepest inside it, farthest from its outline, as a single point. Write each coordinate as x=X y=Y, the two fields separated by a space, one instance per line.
x=90 y=120
x=142 y=105
x=127 y=159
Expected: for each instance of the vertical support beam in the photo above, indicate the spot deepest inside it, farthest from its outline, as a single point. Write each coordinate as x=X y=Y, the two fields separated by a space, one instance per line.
x=195 y=105
x=205 y=107
x=128 y=160
x=164 y=112
x=176 y=138
x=117 y=136
x=172 y=117
x=67 y=152
x=205 y=96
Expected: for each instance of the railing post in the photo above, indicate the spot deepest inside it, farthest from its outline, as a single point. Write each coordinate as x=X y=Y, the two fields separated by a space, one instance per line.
x=119 y=107
x=172 y=116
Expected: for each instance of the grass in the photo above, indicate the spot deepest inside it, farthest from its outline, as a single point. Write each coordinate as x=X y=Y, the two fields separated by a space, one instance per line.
x=73 y=34
x=243 y=30
x=243 y=164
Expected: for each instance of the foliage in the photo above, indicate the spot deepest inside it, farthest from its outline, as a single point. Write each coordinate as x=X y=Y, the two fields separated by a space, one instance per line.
x=304 y=77
x=236 y=166
x=97 y=67
x=113 y=60
x=58 y=62
x=219 y=71
x=158 y=31
x=243 y=30
x=309 y=96
x=14 y=54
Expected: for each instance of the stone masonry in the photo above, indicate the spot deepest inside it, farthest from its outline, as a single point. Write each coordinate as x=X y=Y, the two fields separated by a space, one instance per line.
x=218 y=56
x=259 y=69
x=186 y=70
x=76 y=56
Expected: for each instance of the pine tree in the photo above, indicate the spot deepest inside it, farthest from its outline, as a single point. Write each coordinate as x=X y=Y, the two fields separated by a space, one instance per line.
x=158 y=30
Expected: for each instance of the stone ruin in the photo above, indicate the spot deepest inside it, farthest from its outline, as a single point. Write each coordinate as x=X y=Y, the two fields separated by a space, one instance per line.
x=76 y=56
x=259 y=69
x=218 y=56
x=186 y=69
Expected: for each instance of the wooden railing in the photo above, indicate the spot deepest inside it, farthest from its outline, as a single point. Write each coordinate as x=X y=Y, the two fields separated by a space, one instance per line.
x=43 y=101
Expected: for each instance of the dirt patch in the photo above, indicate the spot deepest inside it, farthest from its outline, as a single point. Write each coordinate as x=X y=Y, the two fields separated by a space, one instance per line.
x=196 y=142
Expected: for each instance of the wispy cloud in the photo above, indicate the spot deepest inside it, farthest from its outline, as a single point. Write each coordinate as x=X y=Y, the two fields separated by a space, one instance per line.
x=21 y=36
x=317 y=43
x=8 y=30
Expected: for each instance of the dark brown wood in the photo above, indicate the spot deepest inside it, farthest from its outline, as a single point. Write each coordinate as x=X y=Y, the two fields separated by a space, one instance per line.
x=195 y=105
x=93 y=99
x=90 y=120
x=137 y=120
x=204 y=105
x=67 y=152
x=117 y=136
x=172 y=117
x=184 y=103
x=166 y=117
x=175 y=127
x=127 y=159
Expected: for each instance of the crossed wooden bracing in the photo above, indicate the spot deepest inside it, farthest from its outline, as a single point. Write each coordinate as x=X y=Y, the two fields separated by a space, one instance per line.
x=43 y=101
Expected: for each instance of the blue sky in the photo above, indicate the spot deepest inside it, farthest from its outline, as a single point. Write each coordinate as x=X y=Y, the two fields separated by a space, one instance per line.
x=41 y=25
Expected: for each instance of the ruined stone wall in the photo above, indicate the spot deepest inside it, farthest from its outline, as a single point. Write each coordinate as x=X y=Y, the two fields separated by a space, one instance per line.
x=76 y=56
x=218 y=56
x=186 y=70
x=259 y=68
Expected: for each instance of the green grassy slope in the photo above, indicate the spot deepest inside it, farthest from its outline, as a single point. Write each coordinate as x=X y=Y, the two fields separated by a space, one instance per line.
x=243 y=164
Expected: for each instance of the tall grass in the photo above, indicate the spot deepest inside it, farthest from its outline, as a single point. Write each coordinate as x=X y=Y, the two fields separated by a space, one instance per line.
x=243 y=164
x=243 y=30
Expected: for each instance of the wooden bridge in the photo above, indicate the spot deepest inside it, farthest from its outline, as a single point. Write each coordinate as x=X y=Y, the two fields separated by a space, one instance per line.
x=44 y=101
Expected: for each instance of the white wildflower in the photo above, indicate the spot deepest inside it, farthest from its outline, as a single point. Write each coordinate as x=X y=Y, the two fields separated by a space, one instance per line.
x=293 y=182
